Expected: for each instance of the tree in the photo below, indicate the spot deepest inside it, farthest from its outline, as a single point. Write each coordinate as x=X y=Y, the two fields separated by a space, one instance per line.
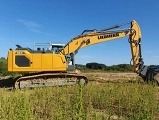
x=119 y=67
x=95 y=66
x=3 y=69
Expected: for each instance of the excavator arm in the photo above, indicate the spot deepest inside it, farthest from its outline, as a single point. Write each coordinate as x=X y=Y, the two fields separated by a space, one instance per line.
x=91 y=37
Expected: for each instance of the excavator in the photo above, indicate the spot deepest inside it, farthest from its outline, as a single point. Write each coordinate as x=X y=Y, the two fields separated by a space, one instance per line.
x=52 y=66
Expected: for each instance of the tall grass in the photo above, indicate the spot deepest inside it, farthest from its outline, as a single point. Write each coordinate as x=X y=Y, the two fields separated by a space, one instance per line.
x=92 y=102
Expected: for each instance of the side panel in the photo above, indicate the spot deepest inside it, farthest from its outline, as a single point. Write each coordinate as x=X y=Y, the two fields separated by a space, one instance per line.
x=47 y=61
x=36 y=62
x=24 y=61
x=59 y=62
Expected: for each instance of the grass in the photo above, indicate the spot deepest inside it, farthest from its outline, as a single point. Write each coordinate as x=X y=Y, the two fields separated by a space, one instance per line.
x=3 y=60
x=126 y=101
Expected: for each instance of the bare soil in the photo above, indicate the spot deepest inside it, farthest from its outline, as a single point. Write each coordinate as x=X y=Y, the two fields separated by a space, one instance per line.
x=113 y=77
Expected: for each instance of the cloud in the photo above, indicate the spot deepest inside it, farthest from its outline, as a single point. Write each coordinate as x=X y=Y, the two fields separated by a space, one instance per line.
x=32 y=26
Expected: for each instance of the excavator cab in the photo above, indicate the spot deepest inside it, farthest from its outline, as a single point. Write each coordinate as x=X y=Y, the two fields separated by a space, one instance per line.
x=55 y=48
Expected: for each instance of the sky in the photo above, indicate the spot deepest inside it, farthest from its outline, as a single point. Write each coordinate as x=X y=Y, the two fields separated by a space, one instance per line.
x=55 y=21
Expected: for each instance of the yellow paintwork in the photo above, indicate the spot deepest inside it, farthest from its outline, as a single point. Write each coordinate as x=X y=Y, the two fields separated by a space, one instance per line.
x=57 y=62
x=93 y=38
x=133 y=32
x=10 y=60
x=135 y=36
x=38 y=62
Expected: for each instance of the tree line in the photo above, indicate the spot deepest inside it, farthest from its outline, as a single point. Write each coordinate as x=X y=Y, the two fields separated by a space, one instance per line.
x=3 y=66
x=103 y=67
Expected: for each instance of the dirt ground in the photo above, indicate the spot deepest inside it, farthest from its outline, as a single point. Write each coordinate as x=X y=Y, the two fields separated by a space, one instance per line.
x=113 y=77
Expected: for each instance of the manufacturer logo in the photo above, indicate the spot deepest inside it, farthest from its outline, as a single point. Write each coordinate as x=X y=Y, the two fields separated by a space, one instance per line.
x=108 y=36
x=19 y=52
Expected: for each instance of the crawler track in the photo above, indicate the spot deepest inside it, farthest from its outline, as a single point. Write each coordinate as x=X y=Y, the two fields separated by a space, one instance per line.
x=50 y=79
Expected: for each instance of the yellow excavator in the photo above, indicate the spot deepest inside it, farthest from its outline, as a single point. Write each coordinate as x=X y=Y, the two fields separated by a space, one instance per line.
x=48 y=67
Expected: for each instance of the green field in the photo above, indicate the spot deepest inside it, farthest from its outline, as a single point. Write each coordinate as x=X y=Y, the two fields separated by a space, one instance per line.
x=3 y=60
x=126 y=101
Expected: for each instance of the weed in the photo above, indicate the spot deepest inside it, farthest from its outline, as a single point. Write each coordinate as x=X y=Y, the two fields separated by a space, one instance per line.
x=94 y=101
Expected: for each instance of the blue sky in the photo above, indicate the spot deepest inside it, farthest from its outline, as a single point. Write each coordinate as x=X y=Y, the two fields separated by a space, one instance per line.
x=26 y=21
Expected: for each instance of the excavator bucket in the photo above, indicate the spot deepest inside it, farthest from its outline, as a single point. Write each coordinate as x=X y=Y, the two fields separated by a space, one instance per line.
x=152 y=74
x=156 y=78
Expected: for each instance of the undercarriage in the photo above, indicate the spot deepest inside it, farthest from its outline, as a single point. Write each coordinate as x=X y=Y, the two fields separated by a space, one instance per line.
x=49 y=79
